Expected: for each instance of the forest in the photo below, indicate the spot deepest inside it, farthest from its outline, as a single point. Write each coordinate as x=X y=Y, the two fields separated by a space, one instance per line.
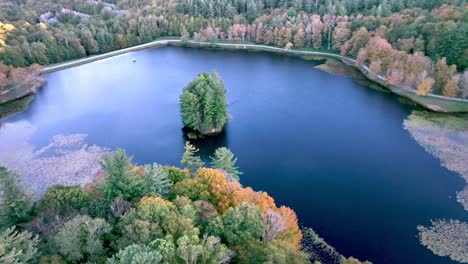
x=155 y=214
x=417 y=44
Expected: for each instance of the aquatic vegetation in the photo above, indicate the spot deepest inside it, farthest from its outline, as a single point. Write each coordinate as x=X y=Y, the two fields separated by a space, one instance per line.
x=446 y=238
x=445 y=137
x=67 y=160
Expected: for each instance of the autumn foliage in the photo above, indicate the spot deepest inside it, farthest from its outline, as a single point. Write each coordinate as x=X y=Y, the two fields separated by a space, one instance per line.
x=10 y=76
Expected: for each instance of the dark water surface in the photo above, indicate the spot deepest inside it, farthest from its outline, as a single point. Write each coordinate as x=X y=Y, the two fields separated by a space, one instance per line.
x=333 y=150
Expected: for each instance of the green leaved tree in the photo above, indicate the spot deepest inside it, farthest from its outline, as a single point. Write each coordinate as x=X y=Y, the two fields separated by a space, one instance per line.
x=224 y=160
x=203 y=104
x=79 y=239
x=136 y=254
x=15 y=204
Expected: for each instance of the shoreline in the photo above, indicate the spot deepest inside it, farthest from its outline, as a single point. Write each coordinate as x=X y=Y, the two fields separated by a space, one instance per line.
x=431 y=101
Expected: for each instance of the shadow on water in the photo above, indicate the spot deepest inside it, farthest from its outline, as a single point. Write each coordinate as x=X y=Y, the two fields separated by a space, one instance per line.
x=207 y=145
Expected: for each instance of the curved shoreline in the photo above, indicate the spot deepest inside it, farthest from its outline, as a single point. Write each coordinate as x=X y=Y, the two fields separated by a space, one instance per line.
x=431 y=101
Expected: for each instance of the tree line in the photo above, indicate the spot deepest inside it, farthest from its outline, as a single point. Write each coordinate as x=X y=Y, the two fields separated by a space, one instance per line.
x=154 y=214
x=435 y=29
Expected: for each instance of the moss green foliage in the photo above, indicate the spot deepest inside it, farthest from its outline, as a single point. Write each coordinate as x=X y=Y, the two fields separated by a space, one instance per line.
x=176 y=174
x=224 y=159
x=203 y=104
x=79 y=239
x=446 y=238
x=18 y=247
x=123 y=180
x=243 y=224
x=158 y=179
x=136 y=254
x=190 y=160
x=152 y=218
x=15 y=204
x=65 y=199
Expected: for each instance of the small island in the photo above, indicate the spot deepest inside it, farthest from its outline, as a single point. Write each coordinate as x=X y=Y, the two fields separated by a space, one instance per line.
x=203 y=104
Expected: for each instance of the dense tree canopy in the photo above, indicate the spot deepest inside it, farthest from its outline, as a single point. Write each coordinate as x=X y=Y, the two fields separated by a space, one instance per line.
x=203 y=104
x=149 y=214
x=47 y=32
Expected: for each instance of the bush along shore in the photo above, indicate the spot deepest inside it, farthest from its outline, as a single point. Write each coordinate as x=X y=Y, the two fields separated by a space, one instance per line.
x=430 y=101
x=151 y=213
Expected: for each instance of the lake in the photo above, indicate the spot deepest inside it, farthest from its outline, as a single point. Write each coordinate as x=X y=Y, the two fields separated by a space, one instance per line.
x=330 y=148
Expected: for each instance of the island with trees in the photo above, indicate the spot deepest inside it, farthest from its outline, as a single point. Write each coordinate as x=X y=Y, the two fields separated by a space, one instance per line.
x=419 y=45
x=155 y=214
x=203 y=104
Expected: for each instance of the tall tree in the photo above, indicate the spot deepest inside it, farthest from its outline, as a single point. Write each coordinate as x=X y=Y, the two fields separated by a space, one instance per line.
x=158 y=179
x=122 y=179
x=18 y=247
x=15 y=205
x=190 y=160
x=224 y=159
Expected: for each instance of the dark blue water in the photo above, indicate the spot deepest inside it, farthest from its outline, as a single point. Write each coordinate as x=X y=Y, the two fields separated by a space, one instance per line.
x=333 y=150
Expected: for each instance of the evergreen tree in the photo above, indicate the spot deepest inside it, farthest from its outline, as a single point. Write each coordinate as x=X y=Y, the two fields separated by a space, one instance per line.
x=18 y=247
x=224 y=160
x=122 y=179
x=203 y=104
x=15 y=204
x=158 y=179
x=189 y=160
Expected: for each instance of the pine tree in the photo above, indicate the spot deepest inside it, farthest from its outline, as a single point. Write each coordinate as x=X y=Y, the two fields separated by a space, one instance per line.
x=189 y=160
x=15 y=204
x=18 y=247
x=122 y=179
x=158 y=179
x=224 y=160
